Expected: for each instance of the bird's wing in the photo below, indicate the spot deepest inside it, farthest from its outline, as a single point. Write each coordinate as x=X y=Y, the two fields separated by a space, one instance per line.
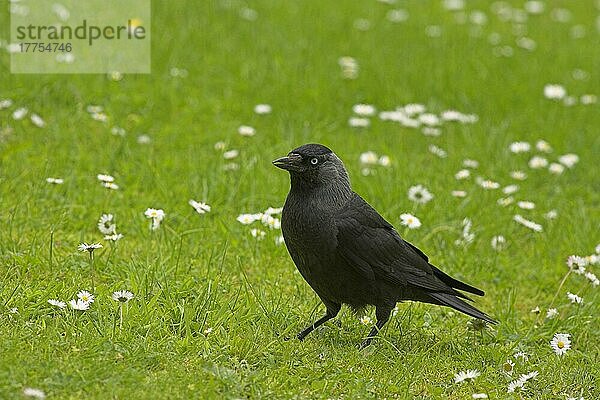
x=368 y=243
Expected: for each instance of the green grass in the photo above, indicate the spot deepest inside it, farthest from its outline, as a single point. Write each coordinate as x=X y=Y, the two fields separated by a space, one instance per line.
x=197 y=272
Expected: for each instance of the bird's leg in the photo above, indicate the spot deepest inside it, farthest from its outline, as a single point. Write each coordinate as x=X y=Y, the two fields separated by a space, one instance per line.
x=332 y=311
x=383 y=315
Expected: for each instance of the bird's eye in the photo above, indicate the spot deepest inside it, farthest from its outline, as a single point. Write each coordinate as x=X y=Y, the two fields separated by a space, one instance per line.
x=314 y=161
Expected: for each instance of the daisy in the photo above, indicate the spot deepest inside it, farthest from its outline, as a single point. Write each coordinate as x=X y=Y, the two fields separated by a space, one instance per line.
x=208 y=331
x=201 y=208
x=110 y=185
x=37 y=120
x=231 y=154
x=498 y=242
x=246 y=219
x=89 y=247
x=535 y=310
x=551 y=313
x=86 y=296
x=19 y=113
x=122 y=296
x=279 y=240
x=527 y=223
x=257 y=233
x=552 y=214
x=270 y=221
x=522 y=355
x=79 y=305
x=467 y=375
x=526 y=205
x=512 y=386
x=462 y=174
x=556 y=168
x=143 y=139
x=587 y=99
x=554 y=92
x=508 y=366
x=369 y=158
x=519 y=147
x=57 y=303
x=262 y=109
x=412 y=109
x=430 y=131
x=569 y=160
x=543 y=146
x=488 y=184
x=560 y=343
x=273 y=210
x=117 y=131
x=366 y=320
x=518 y=175
x=157 y=215
x=459 y=193
x=537 y=162
x=397 y=15
x=410 y=220
x=114 y=237
x=592 y=278
x=359 y=122
x=5 y=103
x=364 y=110
x=479 y=396
x=105 y=178
x=32 y=392
x=245 y=130
x=429 y=119
x=384 y=161
x=419 y=194
x=505 y=201
x=574 y=298
x=106 y=225
x=56 y=181
x=510 y=189
x=220 y=146
x=438 y=151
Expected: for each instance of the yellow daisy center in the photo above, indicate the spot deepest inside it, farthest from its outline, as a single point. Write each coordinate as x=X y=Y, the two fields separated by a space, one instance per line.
x=561 y=344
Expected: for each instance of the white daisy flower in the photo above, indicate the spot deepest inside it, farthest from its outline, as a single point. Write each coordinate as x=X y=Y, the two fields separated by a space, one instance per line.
x=459 y=193
x=364 y=110
x=270 y=221
x=208 y=331
x=419 y=194
x=527 y=223
x=257 y=233
x=79 y=305
x=114 y=237
x=279 y=240
x=246 y=219
x=94 y=109
x=551 y=313
x=105 y=178
x=110 y=185
x=117 y=131
x=122 y=296
x=384 y=161
x=429 y=119
x=37 y=120
x=57 y=303
x=359 y=122
x=467 y=375
x=273 y=210
x=410 y=220
x=592 y=278
x=231 y=154
x=397 y=15
x=106 y=225
x=510 y=189
x=488 y=184
x=508 y=366
x=220 y=146
x=552 y=214
x=462 y=174
x=5 y=103
x=530 y=375
x=498 y=242
x=430 y=131
x=522 y=355
x=89 y=247
x=574 y=298
x=479 y=396
x=512 y=386
x=262 y=109
x=413 y=109
x=554 y=91
x=438 y=151
x=86 y=296
x=543 y=146
x=200 y=207
x=535 y=310
x=526 y=205
x=157 y=216
x=538 y=162
x=245 y=130
x=519 y=147
x=569 y=160
x=518 y=175
x=143 y=139
x=505 y=201
x=19 y=113
x=588 y=99
x=55 y=181
x=369 y=158
x=556 y=168
x=35 y=393
x=560 y=343
x=366 y=320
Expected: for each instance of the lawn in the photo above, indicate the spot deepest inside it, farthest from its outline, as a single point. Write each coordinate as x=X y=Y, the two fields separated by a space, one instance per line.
x=215 y=300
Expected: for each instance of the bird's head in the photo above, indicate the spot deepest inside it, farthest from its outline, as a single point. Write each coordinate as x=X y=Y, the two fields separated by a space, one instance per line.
x=314 y=165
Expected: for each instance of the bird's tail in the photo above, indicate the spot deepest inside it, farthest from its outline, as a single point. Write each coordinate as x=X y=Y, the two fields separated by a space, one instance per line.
x=449 y=300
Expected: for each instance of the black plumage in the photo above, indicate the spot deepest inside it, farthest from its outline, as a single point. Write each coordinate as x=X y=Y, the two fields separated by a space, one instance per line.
x=348 y=253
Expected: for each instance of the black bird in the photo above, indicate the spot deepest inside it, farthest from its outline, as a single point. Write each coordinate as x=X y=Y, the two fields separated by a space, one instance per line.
x=348 y=253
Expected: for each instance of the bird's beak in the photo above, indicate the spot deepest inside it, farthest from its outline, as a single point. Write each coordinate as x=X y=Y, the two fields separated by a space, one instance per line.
x=291 y=162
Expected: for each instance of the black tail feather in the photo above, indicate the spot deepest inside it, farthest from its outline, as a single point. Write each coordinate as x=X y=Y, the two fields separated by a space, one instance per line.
x=449 y=300
x=455 y=283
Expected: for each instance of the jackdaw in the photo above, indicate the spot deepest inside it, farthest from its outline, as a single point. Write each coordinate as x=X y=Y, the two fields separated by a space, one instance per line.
x=348 y=253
